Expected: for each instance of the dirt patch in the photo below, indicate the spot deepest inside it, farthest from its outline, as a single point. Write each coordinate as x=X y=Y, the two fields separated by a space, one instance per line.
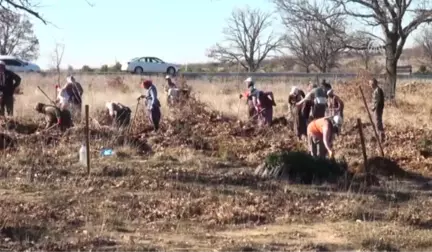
x=26 y=128
x=385 y=167
x=301 y=167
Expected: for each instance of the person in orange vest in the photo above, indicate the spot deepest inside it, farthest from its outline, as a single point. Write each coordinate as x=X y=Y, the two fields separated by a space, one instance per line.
x=321 y=133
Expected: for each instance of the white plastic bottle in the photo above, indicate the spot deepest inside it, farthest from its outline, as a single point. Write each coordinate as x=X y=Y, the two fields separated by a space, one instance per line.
x=83 y=155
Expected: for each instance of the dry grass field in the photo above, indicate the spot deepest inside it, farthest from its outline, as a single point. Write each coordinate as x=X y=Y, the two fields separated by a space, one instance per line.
x=192 y=186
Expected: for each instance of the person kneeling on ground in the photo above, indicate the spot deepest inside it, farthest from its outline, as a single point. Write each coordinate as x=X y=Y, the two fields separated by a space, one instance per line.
x=119 y=114
x=152 y=103
x=321 y=133
x=55 y=116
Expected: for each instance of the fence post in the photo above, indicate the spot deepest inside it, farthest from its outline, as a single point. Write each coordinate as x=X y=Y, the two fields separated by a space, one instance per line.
x=363 y=145
x=87 y=136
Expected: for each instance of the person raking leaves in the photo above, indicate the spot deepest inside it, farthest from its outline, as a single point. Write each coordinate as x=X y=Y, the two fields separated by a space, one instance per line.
x=54 y=116
x=321 y=133
x=9 y=82
x=152 y=103
x=262 y=101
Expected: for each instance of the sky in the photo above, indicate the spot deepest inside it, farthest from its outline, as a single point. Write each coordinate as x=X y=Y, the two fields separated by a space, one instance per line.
x=105 y=31
x=173 y=30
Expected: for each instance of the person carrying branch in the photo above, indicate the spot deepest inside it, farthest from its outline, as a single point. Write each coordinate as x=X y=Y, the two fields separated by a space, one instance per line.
x=377 y=107
x=9 y=83
x=55 y=116
x=152 y=103
x=263 y=102
x=335 y=104
x=299 y=114
x=321 y=133
x=119 y=114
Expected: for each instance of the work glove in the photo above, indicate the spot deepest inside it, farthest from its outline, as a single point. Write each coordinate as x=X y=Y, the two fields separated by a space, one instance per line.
x=240 y=96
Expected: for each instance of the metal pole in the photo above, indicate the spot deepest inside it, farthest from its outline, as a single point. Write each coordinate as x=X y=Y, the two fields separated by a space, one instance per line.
x=87 y=134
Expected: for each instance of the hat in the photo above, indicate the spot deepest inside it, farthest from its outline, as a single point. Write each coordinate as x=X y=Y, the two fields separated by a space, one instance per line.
x=146 y=83
x=249 y=80
x=167 y=77
x=330 y=92
x=294 y=90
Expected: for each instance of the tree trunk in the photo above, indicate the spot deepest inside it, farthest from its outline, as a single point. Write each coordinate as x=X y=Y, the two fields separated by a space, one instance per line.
x=391 y=71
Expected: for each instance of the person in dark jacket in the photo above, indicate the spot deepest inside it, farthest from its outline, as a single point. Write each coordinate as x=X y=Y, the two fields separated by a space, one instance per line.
x=9 y=81
x=378 y=107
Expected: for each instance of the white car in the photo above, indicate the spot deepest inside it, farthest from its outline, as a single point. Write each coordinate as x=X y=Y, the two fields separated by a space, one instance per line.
x=150 y=65
x=16 y=65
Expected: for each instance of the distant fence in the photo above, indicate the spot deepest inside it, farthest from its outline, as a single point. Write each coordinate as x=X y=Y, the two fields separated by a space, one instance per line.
x=257 y=75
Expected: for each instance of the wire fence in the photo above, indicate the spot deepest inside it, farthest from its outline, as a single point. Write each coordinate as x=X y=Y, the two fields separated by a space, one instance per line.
x=256 y=75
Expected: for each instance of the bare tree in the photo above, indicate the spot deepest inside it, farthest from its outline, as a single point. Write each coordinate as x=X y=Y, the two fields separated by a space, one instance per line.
x=308 y=39
x=26 y=6
x=390 y=16
x=17 y=36
x=57 y=58
x=246 y=41
x=424 y=41
x=297 y=43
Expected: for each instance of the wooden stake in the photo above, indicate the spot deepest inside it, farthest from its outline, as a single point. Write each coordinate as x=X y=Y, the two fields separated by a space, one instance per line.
x=373 y=124
x=363 y=145
x=87 y=135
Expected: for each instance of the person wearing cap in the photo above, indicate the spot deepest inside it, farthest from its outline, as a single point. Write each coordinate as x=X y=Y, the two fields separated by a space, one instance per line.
x=119 y=114
x=321 y=133
x=335 y=104
x=299 y=114
x=55 y=116
x=152 y=103
x=378 y=107
x=9 y=82
x=318 y=97
x=263 y=102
